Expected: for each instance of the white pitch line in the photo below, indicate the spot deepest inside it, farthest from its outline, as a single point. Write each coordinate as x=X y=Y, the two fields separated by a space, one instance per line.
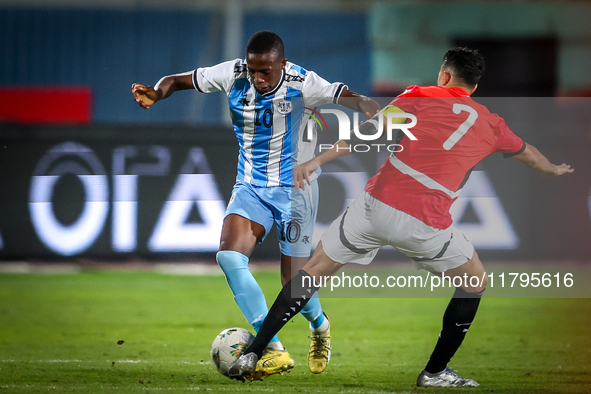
x=42 y=361
x=46 y=269
x=178 y=269
x=101 y=361
x=194 y=269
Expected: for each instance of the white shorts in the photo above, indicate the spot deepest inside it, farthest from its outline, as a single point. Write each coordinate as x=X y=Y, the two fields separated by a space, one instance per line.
x=368 y=224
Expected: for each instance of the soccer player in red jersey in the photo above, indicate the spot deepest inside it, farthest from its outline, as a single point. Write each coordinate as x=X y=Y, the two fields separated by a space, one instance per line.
x=406 y=205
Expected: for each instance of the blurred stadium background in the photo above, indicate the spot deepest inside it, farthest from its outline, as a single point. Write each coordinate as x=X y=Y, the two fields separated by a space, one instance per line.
x=87 y=175
x=89 y=179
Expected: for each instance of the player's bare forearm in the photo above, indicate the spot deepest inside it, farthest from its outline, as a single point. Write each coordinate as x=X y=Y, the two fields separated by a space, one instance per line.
x=339 y=149
x=146 y=95
x=301 y=173
x=171 y=83
x=359 y=102
x=531 y=157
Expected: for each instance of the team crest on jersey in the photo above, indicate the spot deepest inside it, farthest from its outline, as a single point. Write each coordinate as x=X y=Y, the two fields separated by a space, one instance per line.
x=284 y=107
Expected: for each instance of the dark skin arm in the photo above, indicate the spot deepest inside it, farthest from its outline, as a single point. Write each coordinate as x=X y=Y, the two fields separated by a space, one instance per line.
x=146 y=96
x=534 y=159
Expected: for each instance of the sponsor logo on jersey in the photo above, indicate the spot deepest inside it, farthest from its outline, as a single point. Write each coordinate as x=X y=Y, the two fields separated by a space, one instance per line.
x=294 y=78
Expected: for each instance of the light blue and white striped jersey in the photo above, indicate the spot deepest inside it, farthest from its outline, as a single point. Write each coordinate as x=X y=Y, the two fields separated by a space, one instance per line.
x=271 y=128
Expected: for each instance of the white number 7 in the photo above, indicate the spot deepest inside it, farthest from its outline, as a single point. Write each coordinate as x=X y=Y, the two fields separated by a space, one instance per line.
x=460 y=131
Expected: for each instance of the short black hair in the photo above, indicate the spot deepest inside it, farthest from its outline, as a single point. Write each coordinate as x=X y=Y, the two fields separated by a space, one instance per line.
x=264 y=42
x=467 y=63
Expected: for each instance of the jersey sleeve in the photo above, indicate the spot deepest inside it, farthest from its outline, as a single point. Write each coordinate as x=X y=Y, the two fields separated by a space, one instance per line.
x=507 y=142
x=411 y=91
x=219 y=77
x=318 y=91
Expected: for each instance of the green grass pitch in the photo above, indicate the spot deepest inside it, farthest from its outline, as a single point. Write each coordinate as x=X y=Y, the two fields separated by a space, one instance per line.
x=63 y=333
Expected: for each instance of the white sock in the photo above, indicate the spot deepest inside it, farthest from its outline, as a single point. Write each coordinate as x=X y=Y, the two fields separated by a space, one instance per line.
x=323 y=327
x=275 y=345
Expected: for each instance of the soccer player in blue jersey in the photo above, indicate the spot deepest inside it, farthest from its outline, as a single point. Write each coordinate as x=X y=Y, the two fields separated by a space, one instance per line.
x=270 y=103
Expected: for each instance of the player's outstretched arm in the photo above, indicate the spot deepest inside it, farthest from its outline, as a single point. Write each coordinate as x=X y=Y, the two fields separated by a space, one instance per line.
x=534 y=159
x=359 y=102
x=301 y=173
x=146 y=95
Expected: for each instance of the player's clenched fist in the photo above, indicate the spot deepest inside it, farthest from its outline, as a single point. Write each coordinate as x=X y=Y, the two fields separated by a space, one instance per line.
x=144 y=95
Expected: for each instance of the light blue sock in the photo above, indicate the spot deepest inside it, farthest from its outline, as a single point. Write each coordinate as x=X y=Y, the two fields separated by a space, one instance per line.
x=313 y=312
x=247 y=292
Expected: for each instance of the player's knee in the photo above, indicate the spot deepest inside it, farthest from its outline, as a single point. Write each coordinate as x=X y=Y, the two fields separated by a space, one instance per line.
x=475 y=283
x=477 y=279
x=230 y=260
x=484 y=281
x=320 y=265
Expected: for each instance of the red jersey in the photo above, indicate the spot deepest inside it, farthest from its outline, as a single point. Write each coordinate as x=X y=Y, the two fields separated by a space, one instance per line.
x=453 y=134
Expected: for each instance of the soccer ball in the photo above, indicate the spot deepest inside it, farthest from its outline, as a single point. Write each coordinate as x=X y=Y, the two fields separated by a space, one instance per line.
x=227 y=347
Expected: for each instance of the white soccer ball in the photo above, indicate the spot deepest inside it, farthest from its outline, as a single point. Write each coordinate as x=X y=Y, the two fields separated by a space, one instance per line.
x=228 y=346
